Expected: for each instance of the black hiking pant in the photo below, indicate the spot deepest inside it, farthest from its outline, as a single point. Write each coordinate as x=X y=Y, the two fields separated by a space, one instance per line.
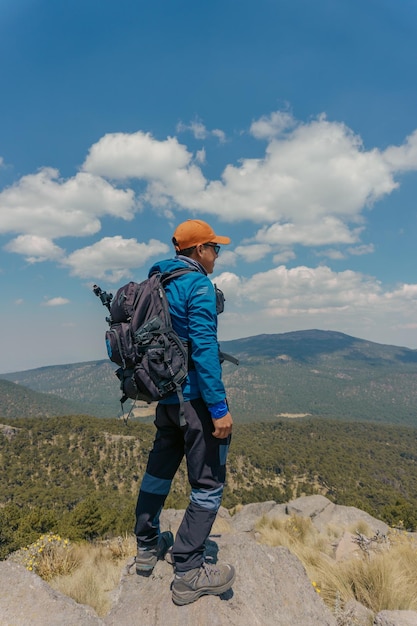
x=206 y=466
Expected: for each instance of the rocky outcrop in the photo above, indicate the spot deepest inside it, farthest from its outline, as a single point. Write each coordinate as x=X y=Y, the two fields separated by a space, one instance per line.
x=396 y=618
x=271 y=587
x=9 y=431
x=25 y=599
x=323 y=513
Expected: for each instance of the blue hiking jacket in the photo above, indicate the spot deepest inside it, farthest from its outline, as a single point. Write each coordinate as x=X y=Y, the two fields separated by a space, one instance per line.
x=192 y=304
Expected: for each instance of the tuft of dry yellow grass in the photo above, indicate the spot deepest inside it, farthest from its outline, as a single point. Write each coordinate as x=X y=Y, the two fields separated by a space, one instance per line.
x=295 y=533
x=383 y=579
x=98 y=572
x=49 y=556
x=86 y=572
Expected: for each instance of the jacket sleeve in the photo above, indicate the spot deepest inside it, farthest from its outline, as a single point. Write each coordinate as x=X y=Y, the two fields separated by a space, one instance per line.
x=202 y=334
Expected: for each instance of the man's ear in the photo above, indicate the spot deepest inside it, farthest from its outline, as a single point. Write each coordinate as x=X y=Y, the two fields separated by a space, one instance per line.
x=196 y=253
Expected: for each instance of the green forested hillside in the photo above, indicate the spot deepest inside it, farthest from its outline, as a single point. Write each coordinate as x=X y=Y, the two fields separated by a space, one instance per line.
x=91 y=387
x=19 y=401
x=79 y=476
x=322 y=373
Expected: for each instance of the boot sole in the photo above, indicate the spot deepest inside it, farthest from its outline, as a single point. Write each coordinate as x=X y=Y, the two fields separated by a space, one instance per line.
x=145 y=570
x=187 y=597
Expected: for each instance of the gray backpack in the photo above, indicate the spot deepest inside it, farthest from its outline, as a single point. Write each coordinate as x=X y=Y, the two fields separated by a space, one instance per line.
x=152 y=359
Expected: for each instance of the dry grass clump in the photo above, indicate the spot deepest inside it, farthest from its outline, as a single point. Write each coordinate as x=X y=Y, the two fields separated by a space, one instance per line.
x=86 y=572
x=97 y=574
x=382 y=577
x=49 y=556
x=383 y=581
x=297 y=534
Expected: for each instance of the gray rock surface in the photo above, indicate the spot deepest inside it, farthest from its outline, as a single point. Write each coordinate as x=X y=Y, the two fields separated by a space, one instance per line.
x=26 y=600
x=322 y=512
x=9 y=431
x=355 y=614
x=271 y=589
x=396 y=618
x=245 y=519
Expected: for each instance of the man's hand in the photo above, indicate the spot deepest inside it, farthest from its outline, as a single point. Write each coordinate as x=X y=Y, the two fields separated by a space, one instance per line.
x=223 y=426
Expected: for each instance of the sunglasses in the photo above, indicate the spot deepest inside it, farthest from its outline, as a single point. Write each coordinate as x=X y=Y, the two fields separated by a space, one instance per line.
x=215 y=247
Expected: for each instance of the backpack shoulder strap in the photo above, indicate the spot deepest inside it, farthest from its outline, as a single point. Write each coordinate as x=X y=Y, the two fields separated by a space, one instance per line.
x=166 y=277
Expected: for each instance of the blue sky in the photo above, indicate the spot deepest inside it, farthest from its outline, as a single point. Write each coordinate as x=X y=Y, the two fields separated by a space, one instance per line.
x=289 y=125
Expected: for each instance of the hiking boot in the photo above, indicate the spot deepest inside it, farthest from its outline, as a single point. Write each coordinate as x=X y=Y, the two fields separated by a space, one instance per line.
x=204 y=580
x=146 y=558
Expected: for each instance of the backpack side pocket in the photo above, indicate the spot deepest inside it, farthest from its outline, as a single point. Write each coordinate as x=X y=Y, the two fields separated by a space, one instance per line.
x=119 y=344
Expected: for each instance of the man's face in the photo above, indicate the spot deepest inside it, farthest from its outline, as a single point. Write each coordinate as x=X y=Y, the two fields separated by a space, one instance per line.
x=206 y=255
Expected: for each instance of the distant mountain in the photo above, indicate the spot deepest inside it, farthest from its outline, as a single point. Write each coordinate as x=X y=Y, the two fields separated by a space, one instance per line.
x=313 y=372
x=89 y=388
x=310 y=345
x=322 y=373
x=19 y=401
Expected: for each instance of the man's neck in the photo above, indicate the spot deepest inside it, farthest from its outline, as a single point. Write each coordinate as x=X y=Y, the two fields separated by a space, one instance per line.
x=192 y=262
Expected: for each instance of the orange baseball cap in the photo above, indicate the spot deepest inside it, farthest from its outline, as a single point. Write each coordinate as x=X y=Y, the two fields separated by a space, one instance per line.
x=193 y=232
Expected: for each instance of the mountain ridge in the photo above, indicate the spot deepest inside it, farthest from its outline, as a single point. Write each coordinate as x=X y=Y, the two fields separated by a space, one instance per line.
x=20 y=401
x=311 y=372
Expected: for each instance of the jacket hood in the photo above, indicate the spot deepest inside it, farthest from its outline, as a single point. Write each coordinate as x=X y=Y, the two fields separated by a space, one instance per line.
x=168 y=265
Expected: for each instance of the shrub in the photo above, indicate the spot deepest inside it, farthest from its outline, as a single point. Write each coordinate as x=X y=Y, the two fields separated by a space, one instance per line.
x=49 y=556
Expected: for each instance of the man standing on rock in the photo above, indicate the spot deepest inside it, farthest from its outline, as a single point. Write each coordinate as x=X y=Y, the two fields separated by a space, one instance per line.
x=206 y=436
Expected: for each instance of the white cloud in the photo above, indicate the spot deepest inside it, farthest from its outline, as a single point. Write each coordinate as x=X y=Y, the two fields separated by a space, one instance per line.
x=361 y=250
x=306 y=288
x=405 y=291
x=166 y=165
x=331 y=253
x=282 y=299
x=337 y=255
x=318 y=172
x=199 y=130
x=269 y=126
x=200 y=156
x=42 y=204
x=254 y=252
x=56 y=301
x=283 y=256
x=328 y=230
x=403 y=158
x=221 y=136
x=311 y=187
x=228 y=282
x=138 y=155
x=112 y=258
x=227 y=258
x=35 y=248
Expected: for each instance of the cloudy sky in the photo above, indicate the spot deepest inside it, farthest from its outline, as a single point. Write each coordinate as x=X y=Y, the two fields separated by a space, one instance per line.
x=289 y=125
